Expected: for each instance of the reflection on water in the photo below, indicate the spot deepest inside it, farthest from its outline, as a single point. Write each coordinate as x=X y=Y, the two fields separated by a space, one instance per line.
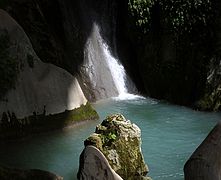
x=169 y=135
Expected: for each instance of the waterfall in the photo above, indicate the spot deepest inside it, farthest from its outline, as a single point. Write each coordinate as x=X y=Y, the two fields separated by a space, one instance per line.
x=106 y=74
x=117 y=71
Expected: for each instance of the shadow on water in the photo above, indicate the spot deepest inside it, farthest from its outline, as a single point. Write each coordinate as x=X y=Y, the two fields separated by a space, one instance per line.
x=56 y=151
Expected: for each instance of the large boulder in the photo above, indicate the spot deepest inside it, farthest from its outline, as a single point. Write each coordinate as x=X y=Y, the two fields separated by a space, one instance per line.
x=205 y=162
x=36 y=85
x=31 y=174
x=120 y=142
x=34 y=96
x=94 y=165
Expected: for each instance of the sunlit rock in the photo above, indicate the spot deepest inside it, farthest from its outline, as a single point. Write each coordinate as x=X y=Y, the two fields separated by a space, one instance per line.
x=120 y=142
x=94 y=165
x=37 y=86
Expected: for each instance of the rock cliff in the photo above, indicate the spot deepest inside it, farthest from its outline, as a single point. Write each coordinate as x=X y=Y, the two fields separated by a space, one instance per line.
x=170 y=57
x=211 y=100
x=38 y=85
x=171 y=50
x=59 y=30
x=120 y=142
x=33 y=92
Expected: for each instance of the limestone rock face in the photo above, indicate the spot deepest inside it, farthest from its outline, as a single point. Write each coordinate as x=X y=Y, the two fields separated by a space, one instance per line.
x=120 y=142
x=211 y=100
x=94 y=165
x=39 y=87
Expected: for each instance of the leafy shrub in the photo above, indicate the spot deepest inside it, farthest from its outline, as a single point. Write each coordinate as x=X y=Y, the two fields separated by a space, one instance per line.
x=140 y=11
x=180 y=16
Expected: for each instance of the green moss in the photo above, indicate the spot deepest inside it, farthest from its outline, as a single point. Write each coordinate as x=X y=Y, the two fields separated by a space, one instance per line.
x=113 y=138
x=94 y=140
x=8 y=65
x=107 y=133
x=211 y=101
x=42 y=123
x=108 y=138
x=84 y=112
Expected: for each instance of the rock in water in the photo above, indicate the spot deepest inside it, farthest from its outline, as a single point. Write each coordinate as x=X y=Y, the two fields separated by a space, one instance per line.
x=94 y=165
x=31 y=174
x=205 y=162
x=120 y=142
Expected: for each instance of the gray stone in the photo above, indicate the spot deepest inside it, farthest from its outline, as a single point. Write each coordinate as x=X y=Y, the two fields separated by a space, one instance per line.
x=94 y=165
x=42 y=84
x=205 y=162
x=120 y=142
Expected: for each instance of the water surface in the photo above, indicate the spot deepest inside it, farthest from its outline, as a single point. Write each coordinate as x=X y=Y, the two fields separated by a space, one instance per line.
x=169 y=135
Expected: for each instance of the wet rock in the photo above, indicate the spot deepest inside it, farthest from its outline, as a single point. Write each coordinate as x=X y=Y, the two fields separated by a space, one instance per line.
x=120 y=142
x=94 y=165
x=205 y=162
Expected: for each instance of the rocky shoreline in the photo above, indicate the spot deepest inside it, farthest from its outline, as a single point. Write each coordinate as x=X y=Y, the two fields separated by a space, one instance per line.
x=15 y=128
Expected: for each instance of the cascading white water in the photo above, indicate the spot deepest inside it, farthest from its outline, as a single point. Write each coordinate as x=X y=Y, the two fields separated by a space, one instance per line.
x=118 y=74
x=107 y=76
x=116 y=69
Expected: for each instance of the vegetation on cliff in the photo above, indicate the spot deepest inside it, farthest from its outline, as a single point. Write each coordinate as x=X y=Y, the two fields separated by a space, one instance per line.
x=176 y=44
x=180 y=16
x=168 y=43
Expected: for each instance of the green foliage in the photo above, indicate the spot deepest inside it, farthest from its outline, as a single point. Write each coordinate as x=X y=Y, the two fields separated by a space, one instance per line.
x=8 y=66
x=178 y=15
x=140 y=11
x=183 y=16
x=177 y=42
x=108 y=138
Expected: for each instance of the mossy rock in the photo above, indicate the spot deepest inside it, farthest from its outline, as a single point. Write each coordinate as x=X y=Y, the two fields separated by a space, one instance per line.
x=120 y=141
x=211 y=101
x=12 y=127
